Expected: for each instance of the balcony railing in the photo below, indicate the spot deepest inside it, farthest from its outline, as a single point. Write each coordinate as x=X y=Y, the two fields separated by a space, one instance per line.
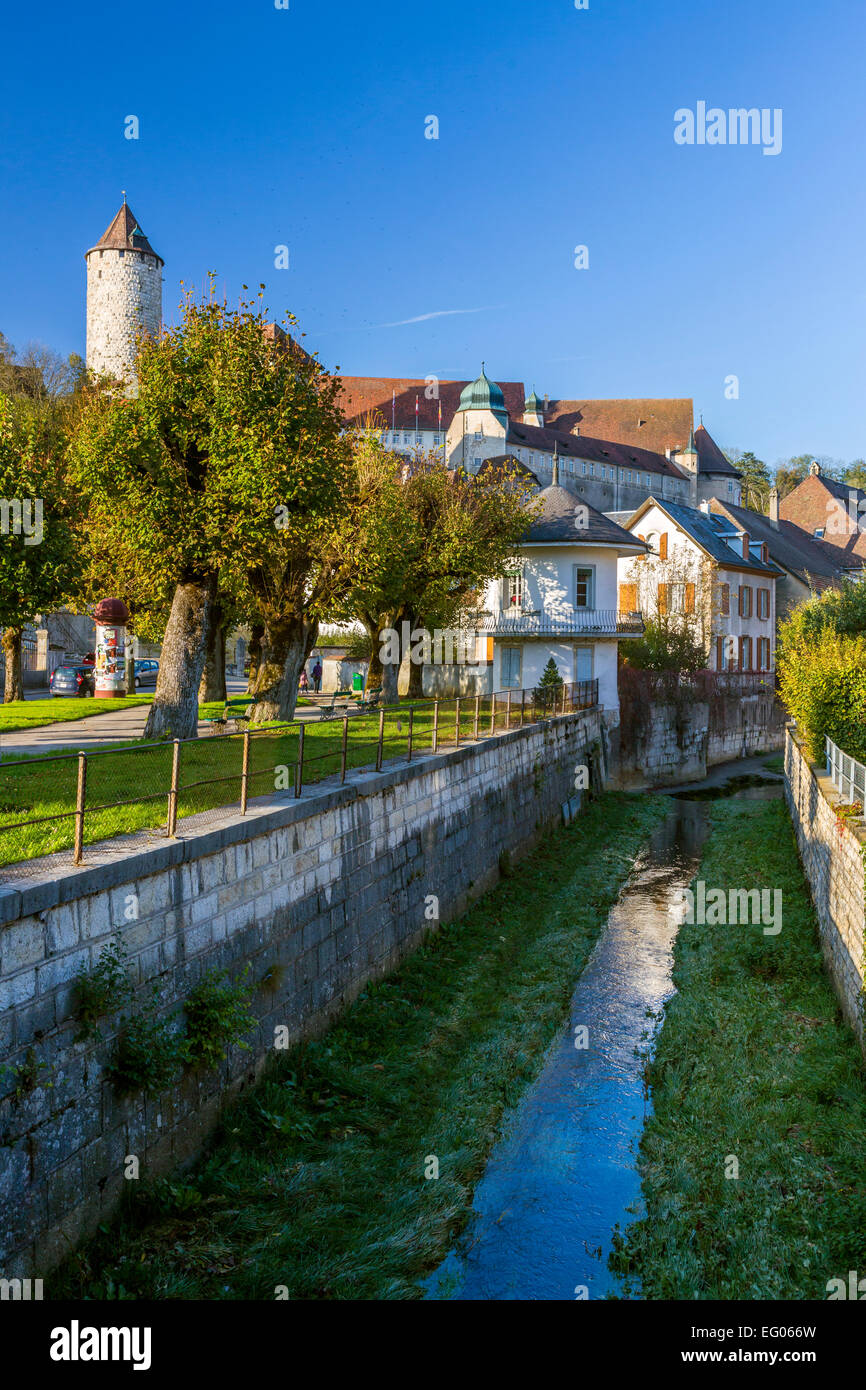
x=569 y=622
x=849 y=776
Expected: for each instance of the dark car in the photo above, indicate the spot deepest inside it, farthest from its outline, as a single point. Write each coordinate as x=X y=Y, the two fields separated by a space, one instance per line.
x=72 y=680
x=146 y=673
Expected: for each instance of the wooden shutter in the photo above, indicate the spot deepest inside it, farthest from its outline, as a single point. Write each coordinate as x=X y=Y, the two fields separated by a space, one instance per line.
x=720 y=653
x=663 y=545
x=726 y=600
x=663 y=599
x=690 y=598
x=628 y=598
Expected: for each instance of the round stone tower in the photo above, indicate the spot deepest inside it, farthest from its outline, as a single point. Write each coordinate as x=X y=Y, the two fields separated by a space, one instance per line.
x=124 y=296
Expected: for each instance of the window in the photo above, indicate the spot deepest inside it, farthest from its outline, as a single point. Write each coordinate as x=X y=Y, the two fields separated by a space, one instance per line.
x=745 y=653
x=584 y=586
x=745 y=601
x=583 y=466
x=512 y=591
x=592 y=470
x=511 y=667
x=583 y=663
x=763 y=653
x=676 y=598
x=652 y=541
x=725 y=600
x=818 y=532
x=730 y=489
x=763 y=604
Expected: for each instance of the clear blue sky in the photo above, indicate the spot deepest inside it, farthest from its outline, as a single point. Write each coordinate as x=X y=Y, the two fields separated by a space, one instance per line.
x=305 y=127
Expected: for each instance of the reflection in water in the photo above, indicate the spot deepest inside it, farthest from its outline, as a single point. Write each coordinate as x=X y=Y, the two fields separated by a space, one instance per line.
x=563 y=1173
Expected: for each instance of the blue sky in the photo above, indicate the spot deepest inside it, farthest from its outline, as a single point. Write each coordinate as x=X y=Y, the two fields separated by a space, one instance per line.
x=305 y=127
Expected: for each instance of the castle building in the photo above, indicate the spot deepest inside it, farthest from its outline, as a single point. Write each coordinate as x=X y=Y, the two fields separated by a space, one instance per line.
x=124 y=297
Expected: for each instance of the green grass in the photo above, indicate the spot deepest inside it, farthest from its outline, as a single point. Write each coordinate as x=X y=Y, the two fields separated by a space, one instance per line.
x=753 y=1061
x=776 y=763
x=140 y=775
x=316 y=1181
x=34 y=714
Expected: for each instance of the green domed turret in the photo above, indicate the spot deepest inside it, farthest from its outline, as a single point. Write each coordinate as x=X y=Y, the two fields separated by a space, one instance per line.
x=483 y=394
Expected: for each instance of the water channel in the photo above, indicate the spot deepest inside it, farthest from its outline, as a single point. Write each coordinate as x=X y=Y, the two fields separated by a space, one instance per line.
x=563 y=1174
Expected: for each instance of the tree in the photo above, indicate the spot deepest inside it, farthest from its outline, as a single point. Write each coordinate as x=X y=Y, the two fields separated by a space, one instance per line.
x=665 y=647
x=855 y=474
x=426 y=540
x=756 y=482
x=38 y=555
x=225 y=471
x=550 y=684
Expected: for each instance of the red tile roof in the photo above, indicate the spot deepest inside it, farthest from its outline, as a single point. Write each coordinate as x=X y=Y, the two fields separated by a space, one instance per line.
x=710 y=457
x=818 y=502
x=651 y=424
x=363 y=396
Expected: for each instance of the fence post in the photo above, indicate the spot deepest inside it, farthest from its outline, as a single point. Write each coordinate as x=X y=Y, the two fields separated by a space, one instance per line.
x=508 y=711
x=173 y=792
x=492 y=711
x=245 y=772
x=435 y=747
x=409 y=747
x=477 y=713
x=299 y=770
x=522 y=707
x=457 y=722
x=80 y=799
x=345 y=747
x=381 y=740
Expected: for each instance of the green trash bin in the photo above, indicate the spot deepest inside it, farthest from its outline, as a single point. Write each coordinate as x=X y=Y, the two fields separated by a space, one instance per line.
x=357 y=684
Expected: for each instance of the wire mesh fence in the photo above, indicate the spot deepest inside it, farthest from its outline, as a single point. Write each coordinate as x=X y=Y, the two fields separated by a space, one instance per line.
x=61 y=804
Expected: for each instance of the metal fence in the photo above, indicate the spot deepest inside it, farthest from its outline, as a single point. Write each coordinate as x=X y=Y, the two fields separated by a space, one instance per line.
x=76 y=799
x=848 y=776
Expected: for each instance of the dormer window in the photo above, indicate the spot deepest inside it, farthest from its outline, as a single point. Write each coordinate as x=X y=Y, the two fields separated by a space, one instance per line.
x=819 y=533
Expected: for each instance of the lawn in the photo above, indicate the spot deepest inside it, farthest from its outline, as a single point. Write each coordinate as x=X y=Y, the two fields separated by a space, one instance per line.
x=316 y=1180
x=33 y=714
x=37 y=790
x=753 y=1063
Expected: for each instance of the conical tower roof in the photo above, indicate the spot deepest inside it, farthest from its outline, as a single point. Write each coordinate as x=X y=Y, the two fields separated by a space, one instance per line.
x=124 y=234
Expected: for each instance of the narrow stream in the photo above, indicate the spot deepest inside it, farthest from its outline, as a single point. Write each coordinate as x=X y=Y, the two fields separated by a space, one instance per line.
x=563 y=1173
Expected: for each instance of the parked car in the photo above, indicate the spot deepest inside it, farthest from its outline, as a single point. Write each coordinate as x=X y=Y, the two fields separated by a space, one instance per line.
x=72 y=680
x=146 y=673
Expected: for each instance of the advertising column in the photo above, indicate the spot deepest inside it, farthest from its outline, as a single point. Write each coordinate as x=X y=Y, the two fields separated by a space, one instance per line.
x=111 y=617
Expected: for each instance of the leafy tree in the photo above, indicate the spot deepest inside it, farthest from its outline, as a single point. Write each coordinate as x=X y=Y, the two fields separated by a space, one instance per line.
x=427 y=538
x=756 y=482
x=666 y=646
x=791 y=472
x=855 y=474
x=38 y=554
x=224 y=473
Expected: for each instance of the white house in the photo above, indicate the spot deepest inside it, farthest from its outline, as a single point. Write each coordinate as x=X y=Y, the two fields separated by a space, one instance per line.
x=559 y=599
x=709 y=569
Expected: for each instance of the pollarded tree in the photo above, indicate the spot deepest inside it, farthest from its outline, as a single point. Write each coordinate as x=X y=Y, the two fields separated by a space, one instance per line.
x=38 y=553
x=224 y=470
x=427 y=540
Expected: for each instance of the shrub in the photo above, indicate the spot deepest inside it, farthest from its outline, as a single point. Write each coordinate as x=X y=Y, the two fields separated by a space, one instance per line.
x=217 y=1015
x=147 y=1054
x=104 y=990
x=665 y=647
x=823 y=684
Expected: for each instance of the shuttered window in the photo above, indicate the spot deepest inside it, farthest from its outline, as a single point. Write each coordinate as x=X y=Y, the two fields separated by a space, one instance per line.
x=628 y=598
x=725 y=604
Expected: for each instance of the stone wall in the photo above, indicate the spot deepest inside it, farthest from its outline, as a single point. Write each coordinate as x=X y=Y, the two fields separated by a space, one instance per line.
x=831 y=853
x=679 y=745
x=317 y=895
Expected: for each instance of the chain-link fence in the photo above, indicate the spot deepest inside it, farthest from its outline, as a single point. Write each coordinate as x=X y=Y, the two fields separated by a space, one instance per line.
x=65 y=802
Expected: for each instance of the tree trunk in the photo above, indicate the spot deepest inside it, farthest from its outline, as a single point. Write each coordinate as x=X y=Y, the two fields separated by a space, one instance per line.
x=286 y=644
x=213 y=679
x=415 y=688
x=257 y=632
x=174 y=711
x=14 y=689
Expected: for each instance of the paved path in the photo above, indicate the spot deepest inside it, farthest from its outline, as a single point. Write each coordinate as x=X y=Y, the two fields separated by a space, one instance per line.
x=83 y=734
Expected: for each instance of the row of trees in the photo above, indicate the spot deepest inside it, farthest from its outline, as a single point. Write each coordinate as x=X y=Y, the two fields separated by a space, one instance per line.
x=226 y=490
x=759 y=479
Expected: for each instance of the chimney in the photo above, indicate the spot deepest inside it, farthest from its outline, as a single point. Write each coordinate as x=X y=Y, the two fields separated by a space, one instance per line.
x=774 y=507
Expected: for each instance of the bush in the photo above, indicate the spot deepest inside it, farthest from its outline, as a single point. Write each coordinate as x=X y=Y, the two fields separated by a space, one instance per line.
x=823 y=684
x=664 y=647
x=217 y=1014
x=147 y=1055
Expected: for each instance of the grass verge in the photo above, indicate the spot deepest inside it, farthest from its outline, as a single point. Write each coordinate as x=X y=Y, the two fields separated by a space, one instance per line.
x=753 y=1061
x=316 y=1181
x=35 y=714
